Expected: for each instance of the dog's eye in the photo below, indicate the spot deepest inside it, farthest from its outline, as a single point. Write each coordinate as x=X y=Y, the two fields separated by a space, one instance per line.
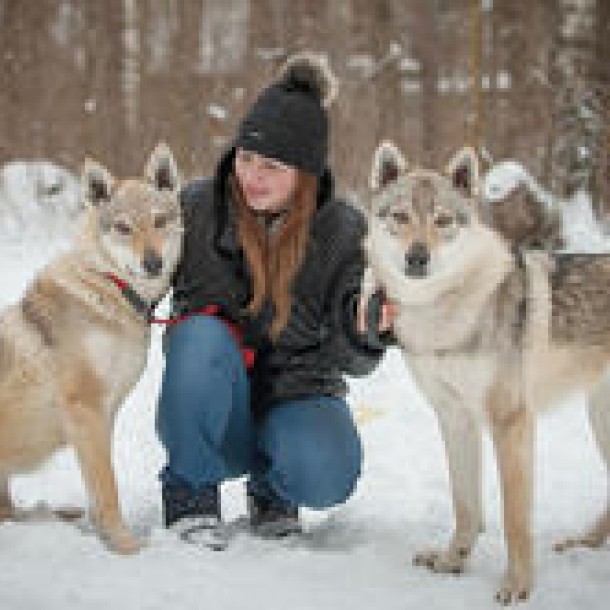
x=122 y=228
x=443 y=221
x=400 y=217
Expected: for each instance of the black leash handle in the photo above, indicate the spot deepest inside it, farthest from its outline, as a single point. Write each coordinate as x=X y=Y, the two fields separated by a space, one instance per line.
x=373 y=318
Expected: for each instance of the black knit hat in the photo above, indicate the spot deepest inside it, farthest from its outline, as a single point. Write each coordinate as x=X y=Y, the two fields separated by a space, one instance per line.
x=288 y=121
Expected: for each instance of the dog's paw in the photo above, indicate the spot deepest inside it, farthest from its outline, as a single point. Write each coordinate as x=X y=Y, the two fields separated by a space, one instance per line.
x=591 y=540
x=123 y=542
x=452 y=561
x=69 y=513
x=514 y=589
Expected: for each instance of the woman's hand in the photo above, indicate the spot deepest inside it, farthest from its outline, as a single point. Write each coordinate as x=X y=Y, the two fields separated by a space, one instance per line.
x=386 y=318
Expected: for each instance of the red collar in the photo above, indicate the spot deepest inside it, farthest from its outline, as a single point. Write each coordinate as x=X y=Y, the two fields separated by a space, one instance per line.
x=146 y=310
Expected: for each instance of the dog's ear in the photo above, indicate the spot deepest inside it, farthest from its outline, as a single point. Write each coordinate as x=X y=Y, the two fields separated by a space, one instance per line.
x=463 y=171
x=162 y=170
x=97 y=183
x=388 y=165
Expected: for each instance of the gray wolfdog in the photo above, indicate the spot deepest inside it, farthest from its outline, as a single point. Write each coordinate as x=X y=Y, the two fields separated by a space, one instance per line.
x=491 y=336
x=76 y=344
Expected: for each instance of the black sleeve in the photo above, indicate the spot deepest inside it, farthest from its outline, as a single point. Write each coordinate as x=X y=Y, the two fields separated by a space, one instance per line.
x=358 y=353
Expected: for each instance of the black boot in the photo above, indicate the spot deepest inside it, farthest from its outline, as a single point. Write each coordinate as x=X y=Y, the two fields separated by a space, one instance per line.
x=270 y=516
x=194 y=514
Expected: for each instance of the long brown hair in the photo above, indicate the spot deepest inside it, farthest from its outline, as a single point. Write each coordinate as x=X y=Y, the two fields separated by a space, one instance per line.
x=275 y=257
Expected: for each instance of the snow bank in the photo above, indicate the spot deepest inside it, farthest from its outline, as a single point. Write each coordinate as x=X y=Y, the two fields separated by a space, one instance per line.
x=38 y=199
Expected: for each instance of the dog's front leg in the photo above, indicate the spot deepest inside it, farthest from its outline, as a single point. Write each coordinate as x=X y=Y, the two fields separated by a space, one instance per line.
x=463 y=446
x=599 y=418
x=90 y=432
x=513 y=433
x=461 y=434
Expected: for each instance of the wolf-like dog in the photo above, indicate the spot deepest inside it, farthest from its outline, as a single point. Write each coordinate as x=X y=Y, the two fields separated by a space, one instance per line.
x=491 y=335
x=76 y=343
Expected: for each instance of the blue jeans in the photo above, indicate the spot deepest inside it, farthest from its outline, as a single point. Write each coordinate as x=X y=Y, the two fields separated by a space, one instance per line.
x=307 y=451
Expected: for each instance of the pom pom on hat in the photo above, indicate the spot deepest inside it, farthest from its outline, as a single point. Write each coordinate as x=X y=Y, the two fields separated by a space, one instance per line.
x=310 y=73
x=288 y=121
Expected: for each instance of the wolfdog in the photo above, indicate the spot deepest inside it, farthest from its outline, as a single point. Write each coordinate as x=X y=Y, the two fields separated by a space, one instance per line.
x=76 y=344
x=492 y=336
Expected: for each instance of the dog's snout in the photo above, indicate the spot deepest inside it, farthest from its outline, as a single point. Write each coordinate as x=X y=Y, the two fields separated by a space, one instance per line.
x=152 y=263
x=417 y=259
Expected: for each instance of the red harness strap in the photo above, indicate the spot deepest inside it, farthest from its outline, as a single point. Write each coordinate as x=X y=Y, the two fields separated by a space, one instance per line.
x=248 y=354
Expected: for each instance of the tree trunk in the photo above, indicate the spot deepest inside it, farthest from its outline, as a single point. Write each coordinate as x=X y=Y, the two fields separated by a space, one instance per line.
x=577 y=123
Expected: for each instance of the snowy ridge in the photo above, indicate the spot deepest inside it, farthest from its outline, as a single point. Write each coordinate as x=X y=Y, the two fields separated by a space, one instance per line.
x=38 y=199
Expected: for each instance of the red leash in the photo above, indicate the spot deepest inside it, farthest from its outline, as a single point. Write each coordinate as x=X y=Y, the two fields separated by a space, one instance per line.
x=142 y=307
x=208 y=310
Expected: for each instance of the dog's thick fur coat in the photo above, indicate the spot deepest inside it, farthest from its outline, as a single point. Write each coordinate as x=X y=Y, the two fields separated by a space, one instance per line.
x=73 y=347
x=490 y=335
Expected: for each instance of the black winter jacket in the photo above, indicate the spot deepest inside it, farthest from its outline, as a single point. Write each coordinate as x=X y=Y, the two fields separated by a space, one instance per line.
x=320 y=342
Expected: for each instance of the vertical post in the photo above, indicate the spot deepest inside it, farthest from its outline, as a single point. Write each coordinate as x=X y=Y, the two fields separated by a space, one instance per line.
x=131 y=63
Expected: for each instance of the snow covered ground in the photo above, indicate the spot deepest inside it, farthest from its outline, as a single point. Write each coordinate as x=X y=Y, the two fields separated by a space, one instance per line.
x=357 y=556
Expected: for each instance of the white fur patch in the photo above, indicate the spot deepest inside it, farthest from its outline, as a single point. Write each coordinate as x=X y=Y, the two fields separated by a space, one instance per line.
x=123 y=256
x=443 y=379
x=117 y=362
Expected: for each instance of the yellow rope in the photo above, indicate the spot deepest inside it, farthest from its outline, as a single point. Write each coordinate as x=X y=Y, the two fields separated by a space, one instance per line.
x=365 y=414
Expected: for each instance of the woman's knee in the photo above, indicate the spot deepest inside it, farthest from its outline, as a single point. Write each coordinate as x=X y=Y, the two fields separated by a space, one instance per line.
x=327 y=481
x=198 y=338
x=201 y=373
x=196 y=347
x=316 y=456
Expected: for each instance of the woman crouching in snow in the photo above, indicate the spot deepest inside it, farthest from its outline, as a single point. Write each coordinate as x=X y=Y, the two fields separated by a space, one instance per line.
x=267 y=293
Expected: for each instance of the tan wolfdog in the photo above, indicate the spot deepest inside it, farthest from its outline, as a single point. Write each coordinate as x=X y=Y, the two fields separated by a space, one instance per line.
x=76 y=344
x=490 y=336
